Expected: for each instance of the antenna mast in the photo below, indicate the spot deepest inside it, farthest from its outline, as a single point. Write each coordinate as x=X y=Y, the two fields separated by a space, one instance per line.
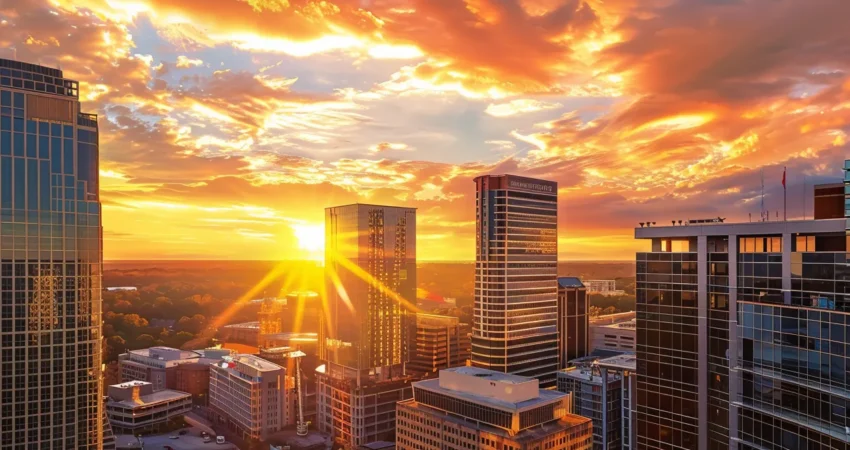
x=762 y=195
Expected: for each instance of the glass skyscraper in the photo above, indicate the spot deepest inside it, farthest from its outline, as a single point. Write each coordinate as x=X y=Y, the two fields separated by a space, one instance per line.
x=370 y=262
x=743 y=336
x=516 y=277
x=50 y=263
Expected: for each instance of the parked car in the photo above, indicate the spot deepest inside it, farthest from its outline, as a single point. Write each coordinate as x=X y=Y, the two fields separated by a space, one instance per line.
x=219 y=440
x=207 y=439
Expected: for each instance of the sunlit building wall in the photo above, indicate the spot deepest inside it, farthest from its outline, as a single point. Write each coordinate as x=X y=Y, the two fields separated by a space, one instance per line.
x=437 y=342
x=50 y=263
x=573 y=317
x=742 y=336
x=370 y=265
x=515 y=326
x=359 y=407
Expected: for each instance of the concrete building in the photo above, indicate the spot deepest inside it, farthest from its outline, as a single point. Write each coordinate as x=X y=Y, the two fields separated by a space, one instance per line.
x=602 y=287
x=573 y=309
x=625 y=367
x=247 y=395
x=51 y=263
x=370 y=263
x=156 y=365
x=515 y=326
x=136 y=408
x=437 y=342
x=358 y=407
x=614 y=332
x=742 y=335
x=473 y=408
x=598 y=393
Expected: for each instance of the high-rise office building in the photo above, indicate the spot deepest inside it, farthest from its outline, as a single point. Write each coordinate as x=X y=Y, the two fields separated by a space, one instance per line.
x=50 y=263
x=742 y=335
x=370 y=266
x=370 y=270
x=573 y=339
x=515 y=326
x=437 y=342
x=473 y=408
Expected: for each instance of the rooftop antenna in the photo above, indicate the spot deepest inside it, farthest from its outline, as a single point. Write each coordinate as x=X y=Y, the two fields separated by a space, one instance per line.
x=762 y=195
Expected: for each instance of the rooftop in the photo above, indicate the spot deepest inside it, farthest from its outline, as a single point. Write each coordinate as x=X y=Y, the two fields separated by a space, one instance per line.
x=166 y=353
x=368 y=205
x=491 y=375
x=500 y=390
x=742 y=228
x=570 y=282
x=257 y=363
x=162 y=396
x=585 y=375
x=626 y=361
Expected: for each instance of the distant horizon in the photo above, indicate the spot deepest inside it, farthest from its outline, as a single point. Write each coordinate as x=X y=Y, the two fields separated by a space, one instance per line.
x=468 y=261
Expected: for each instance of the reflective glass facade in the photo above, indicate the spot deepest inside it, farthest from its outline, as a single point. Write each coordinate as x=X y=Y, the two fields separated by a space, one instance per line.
x=370 y=263
x=667 y=349
x=573 y=333
x=516 y=266
x=50 y=264
x=766 y=336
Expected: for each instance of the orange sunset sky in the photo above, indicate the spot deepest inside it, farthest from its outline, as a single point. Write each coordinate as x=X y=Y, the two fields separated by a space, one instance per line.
x=228 y=125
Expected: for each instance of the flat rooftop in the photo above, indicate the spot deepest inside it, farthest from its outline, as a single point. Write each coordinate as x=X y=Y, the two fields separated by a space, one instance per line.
x=742 y=228
x=486 y=387
x=151 y=399
x=585 y=375
x=491 y=375
x=257 y=363
x=166 y=353
x=626 y=361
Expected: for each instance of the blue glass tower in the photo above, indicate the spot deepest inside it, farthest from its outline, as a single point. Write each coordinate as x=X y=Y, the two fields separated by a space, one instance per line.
x=50 y=263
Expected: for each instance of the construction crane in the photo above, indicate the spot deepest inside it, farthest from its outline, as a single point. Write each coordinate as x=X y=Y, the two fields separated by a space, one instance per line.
x=301 y=425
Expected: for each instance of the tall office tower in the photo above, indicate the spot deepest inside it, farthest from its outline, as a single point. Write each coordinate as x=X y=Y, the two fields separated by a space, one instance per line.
x=474 y=408
x=370 y=266
x=50 y=263
x=437 y=342
x=516 y=277
x=573 y=318
x=742 y=335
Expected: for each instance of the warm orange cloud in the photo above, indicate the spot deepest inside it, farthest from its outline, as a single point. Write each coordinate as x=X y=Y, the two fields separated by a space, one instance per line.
x=237 y=121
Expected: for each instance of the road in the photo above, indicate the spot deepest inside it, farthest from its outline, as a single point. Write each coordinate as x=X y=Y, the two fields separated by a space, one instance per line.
x=190 y=441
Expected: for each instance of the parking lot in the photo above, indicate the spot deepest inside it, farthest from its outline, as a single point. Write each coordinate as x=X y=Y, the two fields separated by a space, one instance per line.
x=189 y=441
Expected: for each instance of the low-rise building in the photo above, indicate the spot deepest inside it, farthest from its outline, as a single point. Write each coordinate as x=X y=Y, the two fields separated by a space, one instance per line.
x=134 y=407
x=474 y=408
x=247 y=395
x=614 y=332
x=156 y=365
x=358 y=407
x=603 y=390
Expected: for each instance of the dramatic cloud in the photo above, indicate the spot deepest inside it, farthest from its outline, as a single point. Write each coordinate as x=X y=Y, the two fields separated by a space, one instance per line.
x=238 y=121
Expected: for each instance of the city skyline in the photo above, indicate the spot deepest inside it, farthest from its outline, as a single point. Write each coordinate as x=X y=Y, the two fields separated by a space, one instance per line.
x=238 y=133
